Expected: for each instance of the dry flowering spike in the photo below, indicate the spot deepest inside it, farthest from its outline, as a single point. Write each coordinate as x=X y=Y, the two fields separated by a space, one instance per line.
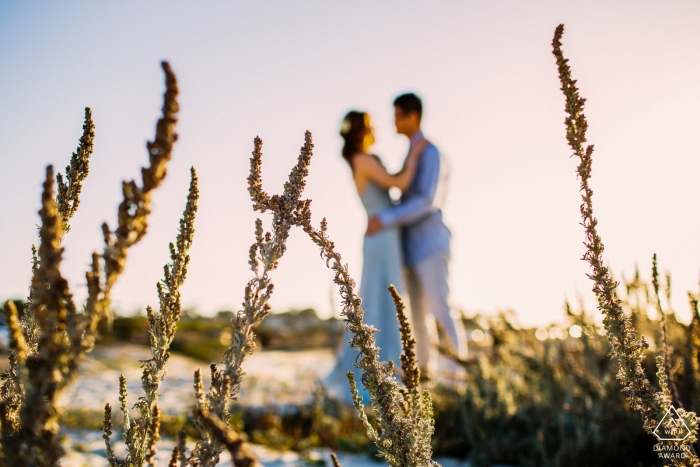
x=17 y=339
x=107 y=433
x=47 y=369
x=132 y=214
x=409 y=364
x=67 y=200
x=665 y=375
x=288 y=210
x=68 y=197
x=13 y=387
x=141 y=434
x=60 y=335
x=625 y=346
x=405 y=424
x=29 y=323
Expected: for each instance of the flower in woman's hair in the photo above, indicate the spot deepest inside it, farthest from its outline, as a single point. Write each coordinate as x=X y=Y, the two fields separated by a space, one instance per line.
x=345 y=127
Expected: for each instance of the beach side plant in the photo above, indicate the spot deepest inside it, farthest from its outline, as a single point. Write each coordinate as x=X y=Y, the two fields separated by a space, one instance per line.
x=63 y=333
x=288 y=210
x=404 y=415
x=142 y=434
x=546 y=397
x=67 y=201
x=625 y=346
x=533 y=402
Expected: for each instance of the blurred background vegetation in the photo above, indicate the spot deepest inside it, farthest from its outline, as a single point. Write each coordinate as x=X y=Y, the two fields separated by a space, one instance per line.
x=206 y=338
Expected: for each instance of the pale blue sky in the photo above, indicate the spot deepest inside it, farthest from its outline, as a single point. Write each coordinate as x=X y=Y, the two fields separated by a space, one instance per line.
x=275 y=69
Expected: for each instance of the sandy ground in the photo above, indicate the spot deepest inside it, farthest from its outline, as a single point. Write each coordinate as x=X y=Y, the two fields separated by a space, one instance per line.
x=277 y=377
x=272 y=377
x=86 y=449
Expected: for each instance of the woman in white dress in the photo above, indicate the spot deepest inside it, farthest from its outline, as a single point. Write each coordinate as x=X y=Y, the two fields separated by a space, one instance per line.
x=382 y=254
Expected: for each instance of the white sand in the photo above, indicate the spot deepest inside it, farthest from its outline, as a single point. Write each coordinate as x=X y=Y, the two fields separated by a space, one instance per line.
x=86 y=449
x=272 y=377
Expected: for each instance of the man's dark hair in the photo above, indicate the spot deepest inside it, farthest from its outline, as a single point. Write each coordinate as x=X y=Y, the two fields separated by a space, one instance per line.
x=409 y=103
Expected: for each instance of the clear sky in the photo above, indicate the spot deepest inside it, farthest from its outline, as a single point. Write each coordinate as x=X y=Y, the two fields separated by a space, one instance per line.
x=277 y=68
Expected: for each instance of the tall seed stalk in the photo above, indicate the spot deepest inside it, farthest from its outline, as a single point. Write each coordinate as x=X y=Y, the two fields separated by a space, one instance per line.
x=620 y=333
x=141 y=434
x=67 y=201
x=404 y=415
x=288 y=210
x=64 y=334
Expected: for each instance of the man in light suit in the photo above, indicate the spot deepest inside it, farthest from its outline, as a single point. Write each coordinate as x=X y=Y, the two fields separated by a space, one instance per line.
x=425 y=238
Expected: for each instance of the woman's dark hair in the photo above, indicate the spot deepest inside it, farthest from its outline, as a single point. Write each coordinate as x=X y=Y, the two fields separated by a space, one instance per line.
x=353 y=130
x=409 y=103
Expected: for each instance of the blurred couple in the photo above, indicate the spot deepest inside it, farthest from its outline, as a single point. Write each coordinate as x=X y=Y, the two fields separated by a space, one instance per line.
x=406 y=244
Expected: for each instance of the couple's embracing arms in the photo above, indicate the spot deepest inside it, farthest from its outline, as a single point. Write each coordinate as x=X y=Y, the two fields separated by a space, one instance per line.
x=368 y=168
x=422 y=196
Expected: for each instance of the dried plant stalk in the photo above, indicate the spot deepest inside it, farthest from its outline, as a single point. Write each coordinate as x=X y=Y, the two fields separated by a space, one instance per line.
x=620 y=333
x=665 y=375
x=409 y=364
x=66 y=334
x=68 y=197
x=405 y=422
x=67 y=201
x=107 y=433
x=141 y=435
x=133 y=210
x=288 y=210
